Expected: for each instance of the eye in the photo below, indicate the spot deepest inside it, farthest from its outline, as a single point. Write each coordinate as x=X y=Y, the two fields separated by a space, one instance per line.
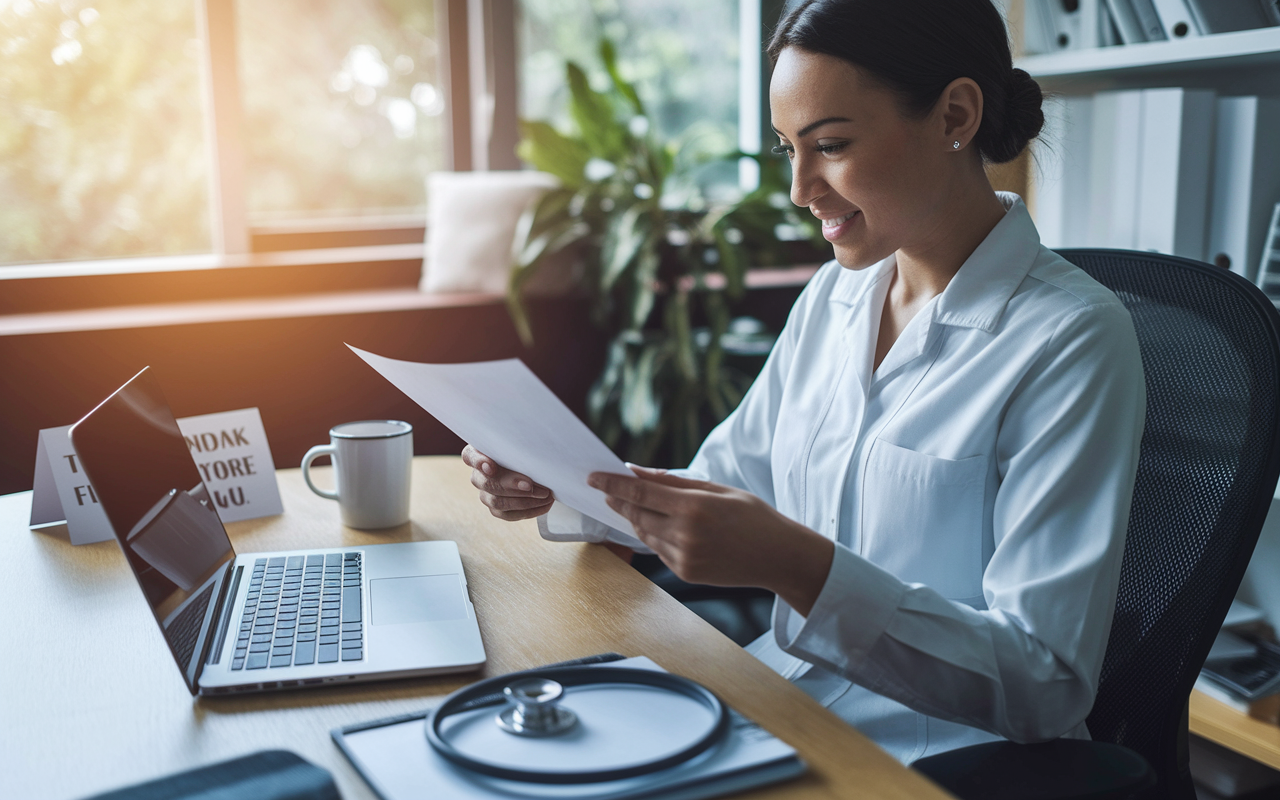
x=783 y=150
x=830 y=149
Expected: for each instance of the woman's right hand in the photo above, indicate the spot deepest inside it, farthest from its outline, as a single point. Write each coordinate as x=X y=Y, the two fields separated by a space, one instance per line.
x=508 y=495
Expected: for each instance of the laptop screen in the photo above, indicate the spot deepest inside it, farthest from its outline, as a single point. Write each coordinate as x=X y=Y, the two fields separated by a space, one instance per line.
x=149 y=487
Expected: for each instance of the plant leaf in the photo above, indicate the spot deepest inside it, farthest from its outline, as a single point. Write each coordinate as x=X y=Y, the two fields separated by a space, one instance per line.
x=549 y=150
x=686 y=356
x=640 y=408
x=732 y=264
x=628 y=90
x=551 y=240
x=625 y=235
x=604 y=136
x=605 y=389
x=646 y=274
x=529 y=258
x=553 y=206
x=550 y=210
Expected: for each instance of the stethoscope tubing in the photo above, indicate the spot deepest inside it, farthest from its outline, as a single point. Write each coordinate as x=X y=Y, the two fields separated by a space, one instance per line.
x=488 y=693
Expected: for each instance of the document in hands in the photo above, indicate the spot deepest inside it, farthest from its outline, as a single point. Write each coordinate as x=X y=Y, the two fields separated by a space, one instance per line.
x=505 y=412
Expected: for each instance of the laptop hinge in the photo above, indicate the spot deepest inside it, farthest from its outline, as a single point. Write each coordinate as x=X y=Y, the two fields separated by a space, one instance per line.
x=226 y=604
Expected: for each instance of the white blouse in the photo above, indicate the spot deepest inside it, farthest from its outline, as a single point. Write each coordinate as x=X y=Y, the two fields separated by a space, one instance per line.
x=977 y=485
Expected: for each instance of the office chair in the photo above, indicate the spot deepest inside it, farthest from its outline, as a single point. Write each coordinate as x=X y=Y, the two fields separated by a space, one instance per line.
x=1207 y=471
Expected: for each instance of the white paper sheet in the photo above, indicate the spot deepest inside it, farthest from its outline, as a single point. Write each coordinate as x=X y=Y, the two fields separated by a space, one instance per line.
x=505 y=412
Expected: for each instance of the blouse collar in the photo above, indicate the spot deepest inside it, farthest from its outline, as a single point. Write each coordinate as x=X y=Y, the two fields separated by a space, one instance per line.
x=978 y=294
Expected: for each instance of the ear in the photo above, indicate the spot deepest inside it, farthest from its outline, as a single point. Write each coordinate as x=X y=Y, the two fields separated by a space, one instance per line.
x=960 y=110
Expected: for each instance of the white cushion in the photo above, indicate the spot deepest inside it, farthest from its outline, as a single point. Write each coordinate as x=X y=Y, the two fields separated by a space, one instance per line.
x=471 y=221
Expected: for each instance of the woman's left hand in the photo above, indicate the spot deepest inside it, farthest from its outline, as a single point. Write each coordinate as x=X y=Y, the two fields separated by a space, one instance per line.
x=713 y=534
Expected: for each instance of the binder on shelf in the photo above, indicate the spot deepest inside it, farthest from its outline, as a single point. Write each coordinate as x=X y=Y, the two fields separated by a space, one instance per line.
x=1115 y=152
x=1126 y=21
x=1149 y=169
x=1062 y=192
x=1145 y=11
x=1176 y=135
x=1054 y=25
x=1176 y=19
x=1038 y=29
x=1246 y=181
x=1108 y=33
x=1224 y=16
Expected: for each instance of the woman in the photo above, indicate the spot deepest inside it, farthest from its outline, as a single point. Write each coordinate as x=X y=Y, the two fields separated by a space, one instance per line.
x=934 y=469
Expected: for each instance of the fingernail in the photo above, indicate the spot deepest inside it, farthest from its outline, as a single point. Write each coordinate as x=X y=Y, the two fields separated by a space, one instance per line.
x=486 y=468
x=524 y=486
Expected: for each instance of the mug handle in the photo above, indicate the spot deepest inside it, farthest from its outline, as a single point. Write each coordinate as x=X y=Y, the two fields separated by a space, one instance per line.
x=312 y=454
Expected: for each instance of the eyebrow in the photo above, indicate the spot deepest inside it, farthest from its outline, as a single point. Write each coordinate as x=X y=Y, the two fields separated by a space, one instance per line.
x=813 y=126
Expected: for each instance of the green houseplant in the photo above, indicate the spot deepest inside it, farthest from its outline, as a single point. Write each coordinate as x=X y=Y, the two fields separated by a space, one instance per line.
x=663 y=276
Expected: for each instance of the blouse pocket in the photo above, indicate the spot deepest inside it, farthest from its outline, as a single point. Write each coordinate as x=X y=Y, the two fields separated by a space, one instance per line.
x=922 y=518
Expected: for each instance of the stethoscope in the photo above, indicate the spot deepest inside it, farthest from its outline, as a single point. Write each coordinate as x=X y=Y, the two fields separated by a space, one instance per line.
x=531 y=710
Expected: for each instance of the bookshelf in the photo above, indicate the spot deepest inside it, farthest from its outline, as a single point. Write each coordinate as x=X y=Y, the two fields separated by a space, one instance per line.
x=1221 y=57
x=1215 y=161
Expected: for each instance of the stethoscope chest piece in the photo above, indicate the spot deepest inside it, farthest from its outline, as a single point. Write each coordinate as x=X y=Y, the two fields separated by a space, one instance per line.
x=534 y=711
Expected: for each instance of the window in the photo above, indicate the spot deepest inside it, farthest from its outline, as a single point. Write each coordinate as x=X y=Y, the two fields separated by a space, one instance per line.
x=114 y=114
x=102 y=149
x=343 y=106
x=684 y=56
x=104 y=142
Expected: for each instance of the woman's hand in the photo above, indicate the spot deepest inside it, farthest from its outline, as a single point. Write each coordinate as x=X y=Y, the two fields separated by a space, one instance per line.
x=713 y=534
x=508 y=495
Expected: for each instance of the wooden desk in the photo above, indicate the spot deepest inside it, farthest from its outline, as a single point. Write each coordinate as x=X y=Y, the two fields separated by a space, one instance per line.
x=90 y=698
x=1235 y=730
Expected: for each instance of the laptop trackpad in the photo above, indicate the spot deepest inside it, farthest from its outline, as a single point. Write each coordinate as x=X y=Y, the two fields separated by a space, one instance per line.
x=425 y=598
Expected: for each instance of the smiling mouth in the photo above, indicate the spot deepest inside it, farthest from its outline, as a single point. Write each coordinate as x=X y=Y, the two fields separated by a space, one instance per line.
x=836 y=227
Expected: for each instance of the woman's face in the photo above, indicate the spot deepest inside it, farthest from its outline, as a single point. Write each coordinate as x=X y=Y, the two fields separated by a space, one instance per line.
x=874 y=177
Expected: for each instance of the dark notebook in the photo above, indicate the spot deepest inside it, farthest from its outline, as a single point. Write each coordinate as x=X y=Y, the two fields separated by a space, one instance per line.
x=266 y=775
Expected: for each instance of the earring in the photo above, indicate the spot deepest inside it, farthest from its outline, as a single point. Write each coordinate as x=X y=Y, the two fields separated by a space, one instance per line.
x=955 y=145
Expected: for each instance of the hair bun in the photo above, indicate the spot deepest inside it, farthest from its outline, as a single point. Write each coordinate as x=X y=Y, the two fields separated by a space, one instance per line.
x=1019 y=121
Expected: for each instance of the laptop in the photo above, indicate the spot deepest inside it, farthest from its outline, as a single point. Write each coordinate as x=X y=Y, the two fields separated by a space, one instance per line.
x=262 y=621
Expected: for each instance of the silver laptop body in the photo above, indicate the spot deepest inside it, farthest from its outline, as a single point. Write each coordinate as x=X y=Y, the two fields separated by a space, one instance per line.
x=263 y=621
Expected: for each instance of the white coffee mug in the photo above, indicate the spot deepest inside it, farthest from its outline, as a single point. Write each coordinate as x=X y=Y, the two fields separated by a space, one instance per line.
x=371 y=463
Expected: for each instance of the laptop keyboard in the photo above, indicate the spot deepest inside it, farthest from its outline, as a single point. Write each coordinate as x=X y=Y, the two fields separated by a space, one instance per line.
x=302 y=610
x=183 y=631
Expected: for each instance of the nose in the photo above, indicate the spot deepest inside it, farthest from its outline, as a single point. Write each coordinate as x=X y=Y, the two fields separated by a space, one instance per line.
x=806 y=184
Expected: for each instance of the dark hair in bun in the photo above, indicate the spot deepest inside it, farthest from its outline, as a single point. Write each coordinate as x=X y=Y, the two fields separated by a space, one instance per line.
x=917 y=48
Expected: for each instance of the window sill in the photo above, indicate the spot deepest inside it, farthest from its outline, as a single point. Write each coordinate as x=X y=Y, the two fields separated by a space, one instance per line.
x=201 y=261
x=268 y=288
x=67 y=286
x=159 y=315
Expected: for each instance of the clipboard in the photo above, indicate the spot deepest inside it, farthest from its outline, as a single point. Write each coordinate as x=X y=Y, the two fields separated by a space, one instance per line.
x=395 y=760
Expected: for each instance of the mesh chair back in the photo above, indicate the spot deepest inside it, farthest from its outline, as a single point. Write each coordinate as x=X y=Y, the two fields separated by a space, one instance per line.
x=1206 y=474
